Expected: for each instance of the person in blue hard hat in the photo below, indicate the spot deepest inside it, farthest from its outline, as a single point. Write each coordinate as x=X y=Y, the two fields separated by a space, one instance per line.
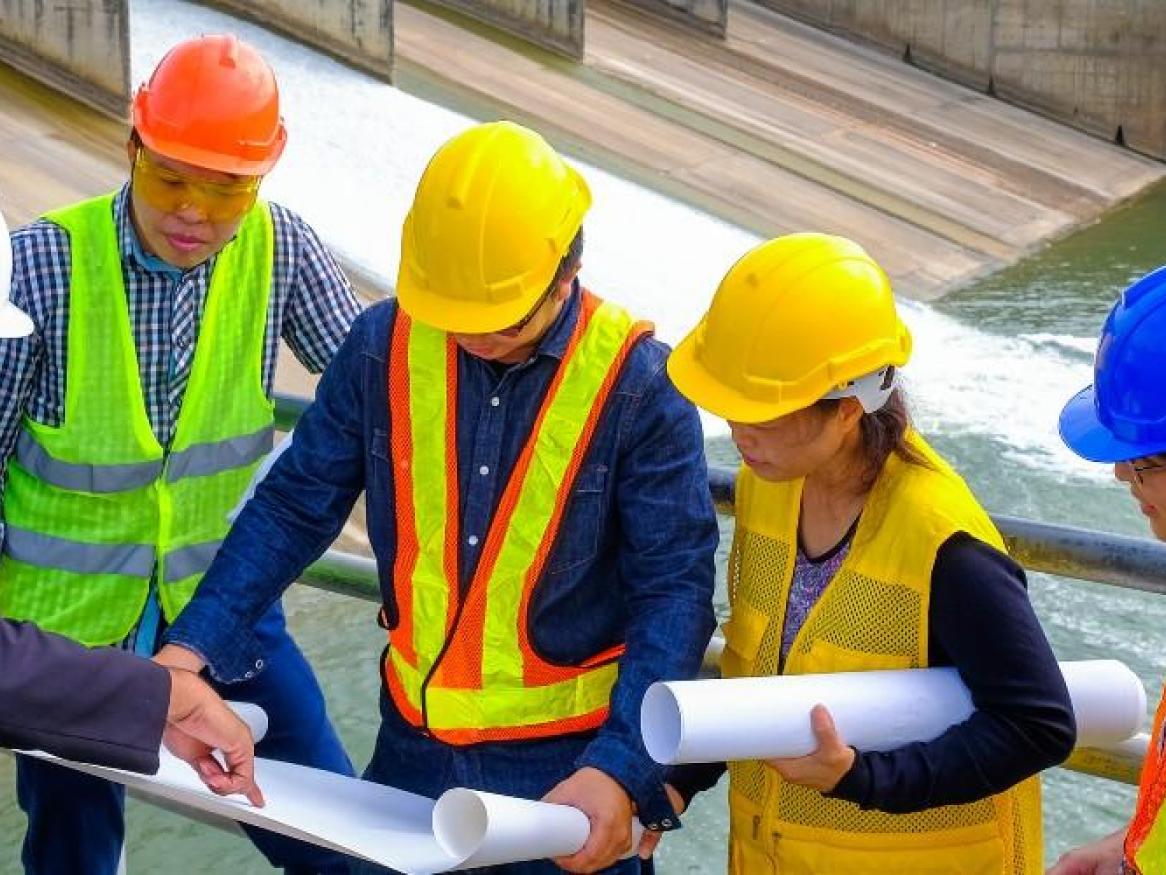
x=1121 y=419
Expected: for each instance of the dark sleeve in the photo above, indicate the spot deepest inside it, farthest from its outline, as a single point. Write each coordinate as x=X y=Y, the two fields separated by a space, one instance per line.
x=982 y=622
x=295 y=515
x=103 y=706
x=688 y=780
x=669 y=537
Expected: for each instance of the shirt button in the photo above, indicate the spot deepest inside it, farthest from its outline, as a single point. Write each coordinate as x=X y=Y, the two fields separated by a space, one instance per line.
x=495 y=401
x=259 y=664
x=666 y=823
x=248 y=675
x=484 y=470
x=472 y=540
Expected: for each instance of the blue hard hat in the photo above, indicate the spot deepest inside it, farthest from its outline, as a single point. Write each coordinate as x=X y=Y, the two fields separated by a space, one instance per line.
x=1122 y=416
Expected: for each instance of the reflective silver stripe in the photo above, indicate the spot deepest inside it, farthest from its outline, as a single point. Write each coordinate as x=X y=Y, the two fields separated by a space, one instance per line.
x=47 y=551
x=203 y=459
x=81 y=477
x=186 y=561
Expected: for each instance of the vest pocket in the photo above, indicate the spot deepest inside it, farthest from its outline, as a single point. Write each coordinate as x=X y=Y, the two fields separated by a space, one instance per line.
x=744 y=631
x=749 y=840
x=974 y=850
x=824 y=657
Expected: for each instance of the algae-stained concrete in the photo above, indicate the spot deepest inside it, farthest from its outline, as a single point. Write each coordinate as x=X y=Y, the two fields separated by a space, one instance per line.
x=81 y=47
x=1099 y=65
x=777 y=126
x=782 y=127
x=711 y=15
x=552 y=24
x=359 y=32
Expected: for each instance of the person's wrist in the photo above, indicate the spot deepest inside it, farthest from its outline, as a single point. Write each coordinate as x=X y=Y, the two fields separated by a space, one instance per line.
x=177 y=656
x=184 y=693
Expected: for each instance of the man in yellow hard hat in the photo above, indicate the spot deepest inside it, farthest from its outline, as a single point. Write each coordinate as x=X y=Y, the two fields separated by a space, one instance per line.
x=537 y=503
x=133 y=416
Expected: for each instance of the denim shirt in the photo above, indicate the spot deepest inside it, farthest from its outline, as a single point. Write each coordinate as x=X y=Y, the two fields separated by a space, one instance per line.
x=633 y=561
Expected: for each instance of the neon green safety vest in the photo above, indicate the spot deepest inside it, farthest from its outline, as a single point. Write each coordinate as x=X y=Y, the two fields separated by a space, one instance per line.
x=96 y=507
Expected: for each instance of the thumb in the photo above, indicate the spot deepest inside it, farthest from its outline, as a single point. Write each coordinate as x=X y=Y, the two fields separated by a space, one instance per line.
x=648 y=843
x=822 y=725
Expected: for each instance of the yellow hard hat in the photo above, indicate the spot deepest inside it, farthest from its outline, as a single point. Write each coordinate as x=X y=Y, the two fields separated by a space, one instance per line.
x=794 y=320
x=494 y=213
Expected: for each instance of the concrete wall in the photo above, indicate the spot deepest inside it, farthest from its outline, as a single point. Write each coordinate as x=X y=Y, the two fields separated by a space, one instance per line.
x=359 y=32
x=1099 y=65
x=710 y=15
x=552 y=24
x=81 y=47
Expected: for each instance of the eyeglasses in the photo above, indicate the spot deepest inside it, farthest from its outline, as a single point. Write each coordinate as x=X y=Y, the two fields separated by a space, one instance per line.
x=1147 y=464
x=517 y=328
x=169 y=191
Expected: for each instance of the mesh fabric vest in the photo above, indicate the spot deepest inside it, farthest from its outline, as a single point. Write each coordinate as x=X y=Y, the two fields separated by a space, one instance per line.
x=872 y=615
x=97 y=507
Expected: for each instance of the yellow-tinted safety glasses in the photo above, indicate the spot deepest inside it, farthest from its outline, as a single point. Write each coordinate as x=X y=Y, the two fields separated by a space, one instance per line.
x=170 y=191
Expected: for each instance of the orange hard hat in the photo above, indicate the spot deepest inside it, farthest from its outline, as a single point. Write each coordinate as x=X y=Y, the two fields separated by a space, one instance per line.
x=212 y=102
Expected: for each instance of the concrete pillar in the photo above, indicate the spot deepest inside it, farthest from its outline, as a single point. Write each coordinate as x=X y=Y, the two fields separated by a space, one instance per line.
x=553 y=24
x=1099 y=65
x=359 y=32
x=709 y=15
x=81 y=47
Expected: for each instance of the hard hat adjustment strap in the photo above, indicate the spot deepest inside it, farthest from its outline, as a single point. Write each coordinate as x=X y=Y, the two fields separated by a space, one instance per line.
x=872 y=390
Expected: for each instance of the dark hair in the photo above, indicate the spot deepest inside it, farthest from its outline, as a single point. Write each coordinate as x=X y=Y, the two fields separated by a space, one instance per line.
x=570 y=261
x=883 y=432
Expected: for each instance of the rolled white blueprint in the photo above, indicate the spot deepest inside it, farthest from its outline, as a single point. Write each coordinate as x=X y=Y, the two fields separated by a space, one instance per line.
x=485 y=829
x=403 y=831
x=254 y=716
x=767 y=717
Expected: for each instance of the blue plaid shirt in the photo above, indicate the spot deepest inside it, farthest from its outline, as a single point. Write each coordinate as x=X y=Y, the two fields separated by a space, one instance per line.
x=311 y=306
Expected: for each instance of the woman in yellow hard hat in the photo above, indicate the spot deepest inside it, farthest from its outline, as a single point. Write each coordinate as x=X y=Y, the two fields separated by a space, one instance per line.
x=857 y=547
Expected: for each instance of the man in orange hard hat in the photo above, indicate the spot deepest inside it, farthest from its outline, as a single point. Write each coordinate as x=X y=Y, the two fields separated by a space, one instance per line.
x=133 y=416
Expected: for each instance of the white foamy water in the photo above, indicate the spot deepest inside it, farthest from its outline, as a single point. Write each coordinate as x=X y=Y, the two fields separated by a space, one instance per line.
x=1007 y=389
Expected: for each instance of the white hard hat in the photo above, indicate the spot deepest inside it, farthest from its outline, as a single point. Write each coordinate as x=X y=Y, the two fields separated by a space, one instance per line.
x=14 y=322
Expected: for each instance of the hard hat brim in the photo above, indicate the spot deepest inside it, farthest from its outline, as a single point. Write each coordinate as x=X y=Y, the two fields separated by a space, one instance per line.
x=14 y=322
x=696 y=383
x=208 y=160
x=459 y=317
x=1089 y=438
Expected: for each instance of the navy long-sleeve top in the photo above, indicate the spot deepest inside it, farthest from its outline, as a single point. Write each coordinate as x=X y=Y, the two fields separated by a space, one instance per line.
x=981 y=622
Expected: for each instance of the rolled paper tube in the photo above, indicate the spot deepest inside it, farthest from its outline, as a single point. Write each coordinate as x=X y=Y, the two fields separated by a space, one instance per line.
x=254 y=716
x=485 y=829
x=767 y=717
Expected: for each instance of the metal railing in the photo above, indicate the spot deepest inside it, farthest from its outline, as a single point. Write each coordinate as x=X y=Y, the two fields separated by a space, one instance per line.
x=1117 y=560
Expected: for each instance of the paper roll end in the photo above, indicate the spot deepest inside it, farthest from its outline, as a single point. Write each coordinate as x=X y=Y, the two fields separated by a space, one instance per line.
x=254 y=716
x=661 y=724
x=460 y=822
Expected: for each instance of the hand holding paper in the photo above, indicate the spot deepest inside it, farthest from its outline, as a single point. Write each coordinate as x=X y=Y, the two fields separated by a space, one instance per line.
x=609 y=811
x=826 y=766
x=199 y=724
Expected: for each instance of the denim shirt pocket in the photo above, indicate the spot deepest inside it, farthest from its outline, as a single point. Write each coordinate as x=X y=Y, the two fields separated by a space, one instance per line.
x=578 y=540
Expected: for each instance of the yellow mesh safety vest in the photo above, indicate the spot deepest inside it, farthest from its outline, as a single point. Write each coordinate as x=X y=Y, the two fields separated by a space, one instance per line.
x=96 y=507
x=873 y=615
